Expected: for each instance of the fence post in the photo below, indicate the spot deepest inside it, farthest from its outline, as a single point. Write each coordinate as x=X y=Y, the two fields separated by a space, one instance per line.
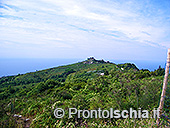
x=164 y=86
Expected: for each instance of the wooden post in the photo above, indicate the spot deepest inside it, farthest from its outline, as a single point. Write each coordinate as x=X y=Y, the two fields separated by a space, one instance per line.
x=164 y=86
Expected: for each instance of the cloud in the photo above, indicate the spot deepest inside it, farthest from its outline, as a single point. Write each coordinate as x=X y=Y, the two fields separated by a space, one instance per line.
x=83 y=25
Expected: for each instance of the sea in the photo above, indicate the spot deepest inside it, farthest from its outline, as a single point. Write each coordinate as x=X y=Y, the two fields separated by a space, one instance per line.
x=11 y=66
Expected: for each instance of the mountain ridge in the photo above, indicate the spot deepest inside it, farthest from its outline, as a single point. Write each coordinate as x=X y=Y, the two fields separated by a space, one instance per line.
x=61 y=69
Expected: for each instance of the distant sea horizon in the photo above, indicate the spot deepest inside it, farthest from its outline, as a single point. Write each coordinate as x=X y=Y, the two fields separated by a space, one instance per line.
x=9 y=67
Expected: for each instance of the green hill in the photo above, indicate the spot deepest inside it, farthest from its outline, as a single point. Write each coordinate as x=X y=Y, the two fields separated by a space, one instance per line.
x=88 y=85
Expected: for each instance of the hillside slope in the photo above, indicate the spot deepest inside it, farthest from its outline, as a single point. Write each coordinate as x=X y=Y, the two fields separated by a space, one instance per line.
x=88 y=85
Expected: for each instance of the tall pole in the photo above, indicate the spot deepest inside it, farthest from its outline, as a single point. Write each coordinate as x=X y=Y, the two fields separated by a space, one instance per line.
x=164 y=86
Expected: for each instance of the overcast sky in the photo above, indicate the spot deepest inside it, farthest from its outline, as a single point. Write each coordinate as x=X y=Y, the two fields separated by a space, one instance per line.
x=109 y=29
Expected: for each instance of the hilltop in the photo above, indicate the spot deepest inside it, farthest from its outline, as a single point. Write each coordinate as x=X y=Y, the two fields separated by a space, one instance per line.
x=60 y=73
x=90 y=84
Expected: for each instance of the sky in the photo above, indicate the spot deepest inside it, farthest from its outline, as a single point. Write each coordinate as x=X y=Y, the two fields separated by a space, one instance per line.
x=109 y=29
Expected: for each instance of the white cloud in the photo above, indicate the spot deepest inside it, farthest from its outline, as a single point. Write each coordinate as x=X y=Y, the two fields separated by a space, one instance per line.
x=80 y=24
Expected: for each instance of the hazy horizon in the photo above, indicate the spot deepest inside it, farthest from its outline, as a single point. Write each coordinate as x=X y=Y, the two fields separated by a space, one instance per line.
x=13 y=66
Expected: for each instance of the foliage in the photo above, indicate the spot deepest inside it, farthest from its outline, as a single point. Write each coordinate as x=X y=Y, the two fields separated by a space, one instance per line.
x=35 y=95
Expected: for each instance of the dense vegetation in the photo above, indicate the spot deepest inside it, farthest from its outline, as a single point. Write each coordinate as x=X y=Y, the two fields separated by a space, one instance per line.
x=89 y=85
